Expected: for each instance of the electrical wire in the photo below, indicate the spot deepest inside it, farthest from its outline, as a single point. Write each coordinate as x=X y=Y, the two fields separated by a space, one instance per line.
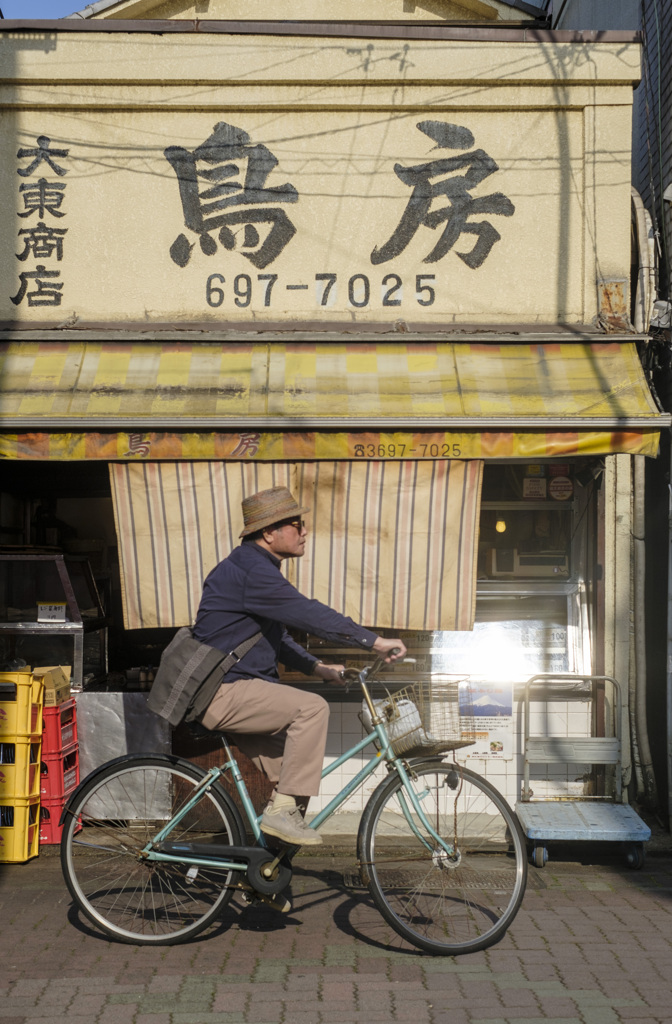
x=560 y=13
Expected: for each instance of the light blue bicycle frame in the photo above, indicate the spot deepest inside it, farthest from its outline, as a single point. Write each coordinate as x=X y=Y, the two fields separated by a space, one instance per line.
x=379 y=733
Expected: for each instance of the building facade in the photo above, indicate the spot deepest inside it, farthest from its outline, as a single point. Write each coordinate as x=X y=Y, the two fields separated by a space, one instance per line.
x=387 y=261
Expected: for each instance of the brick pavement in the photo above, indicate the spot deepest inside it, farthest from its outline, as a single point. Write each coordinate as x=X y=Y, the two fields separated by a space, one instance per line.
x=592 y=943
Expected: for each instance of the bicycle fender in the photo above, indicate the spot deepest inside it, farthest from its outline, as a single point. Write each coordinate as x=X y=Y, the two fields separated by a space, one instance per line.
x=412 y=762
x=160 y=759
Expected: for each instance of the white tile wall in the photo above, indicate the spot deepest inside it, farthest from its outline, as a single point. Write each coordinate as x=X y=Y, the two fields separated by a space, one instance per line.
x=345 y=730
x=556 y=719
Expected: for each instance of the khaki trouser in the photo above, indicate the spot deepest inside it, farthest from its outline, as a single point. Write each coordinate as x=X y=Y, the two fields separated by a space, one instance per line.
x=282 y=729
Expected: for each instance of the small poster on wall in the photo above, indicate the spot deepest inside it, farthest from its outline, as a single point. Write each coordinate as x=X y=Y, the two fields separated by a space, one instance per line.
x=489 y=705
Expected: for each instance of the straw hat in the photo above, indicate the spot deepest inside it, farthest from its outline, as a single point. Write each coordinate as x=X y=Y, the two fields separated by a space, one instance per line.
x=267 y=507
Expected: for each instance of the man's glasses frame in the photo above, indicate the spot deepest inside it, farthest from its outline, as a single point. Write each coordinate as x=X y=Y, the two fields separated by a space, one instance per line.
x=298 y=524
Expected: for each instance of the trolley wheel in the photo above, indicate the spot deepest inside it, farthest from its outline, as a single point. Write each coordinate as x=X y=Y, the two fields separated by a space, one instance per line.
x=634 y=856
x=539 y=856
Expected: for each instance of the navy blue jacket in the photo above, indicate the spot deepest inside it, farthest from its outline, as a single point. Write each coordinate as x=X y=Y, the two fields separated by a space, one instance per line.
x=247 y=592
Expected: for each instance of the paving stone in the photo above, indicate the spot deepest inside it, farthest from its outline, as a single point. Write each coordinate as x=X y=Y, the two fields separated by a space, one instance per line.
x=213 y=1018
x=230 y=1002
x=60 y=1019
x=586 y=949
x=117 y=1014
x=87 y=1005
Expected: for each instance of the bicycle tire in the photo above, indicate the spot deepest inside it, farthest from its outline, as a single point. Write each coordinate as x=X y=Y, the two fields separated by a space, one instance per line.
x=109 y=820
x=439 y=906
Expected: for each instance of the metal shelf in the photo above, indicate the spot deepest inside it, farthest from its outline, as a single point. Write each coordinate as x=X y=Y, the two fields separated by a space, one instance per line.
x=77 y=625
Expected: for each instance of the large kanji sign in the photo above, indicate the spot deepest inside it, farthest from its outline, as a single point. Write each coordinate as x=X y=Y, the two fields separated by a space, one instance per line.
x=313 y=180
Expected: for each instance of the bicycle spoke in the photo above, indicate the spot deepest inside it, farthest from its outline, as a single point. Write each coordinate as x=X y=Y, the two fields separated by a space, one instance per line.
x=441 y=903
x=128 y=895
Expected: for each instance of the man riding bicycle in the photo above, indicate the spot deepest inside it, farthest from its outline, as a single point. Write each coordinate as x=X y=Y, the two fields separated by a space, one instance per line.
x=282 y=728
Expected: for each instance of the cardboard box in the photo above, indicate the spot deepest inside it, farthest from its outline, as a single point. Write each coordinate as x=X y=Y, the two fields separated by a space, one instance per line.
x=56 y=680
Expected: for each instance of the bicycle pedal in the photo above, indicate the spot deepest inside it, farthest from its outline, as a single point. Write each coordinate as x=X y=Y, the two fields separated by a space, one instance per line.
x=276 y=901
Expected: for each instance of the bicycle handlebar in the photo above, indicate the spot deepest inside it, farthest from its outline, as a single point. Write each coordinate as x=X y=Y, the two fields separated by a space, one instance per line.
x=351 y=675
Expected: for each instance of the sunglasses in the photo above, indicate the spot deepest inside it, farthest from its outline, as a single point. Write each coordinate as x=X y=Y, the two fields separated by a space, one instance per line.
x=299 y=524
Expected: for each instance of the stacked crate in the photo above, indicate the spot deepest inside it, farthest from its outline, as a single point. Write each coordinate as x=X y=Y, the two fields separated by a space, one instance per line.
x=59 y=772
x=21 y=707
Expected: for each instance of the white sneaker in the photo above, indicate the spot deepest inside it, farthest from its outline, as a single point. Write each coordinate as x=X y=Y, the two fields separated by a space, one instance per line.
x=288 y=825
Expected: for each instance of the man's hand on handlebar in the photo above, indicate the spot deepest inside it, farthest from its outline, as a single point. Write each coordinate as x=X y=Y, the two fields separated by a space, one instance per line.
x=389 y=649
x=386 y=649
x=330 y=673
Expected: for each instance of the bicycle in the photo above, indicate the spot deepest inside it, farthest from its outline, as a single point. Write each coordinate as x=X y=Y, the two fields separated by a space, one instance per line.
x=440 y=850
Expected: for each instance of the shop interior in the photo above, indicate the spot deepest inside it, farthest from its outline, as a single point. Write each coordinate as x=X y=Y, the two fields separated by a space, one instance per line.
x=60 y=586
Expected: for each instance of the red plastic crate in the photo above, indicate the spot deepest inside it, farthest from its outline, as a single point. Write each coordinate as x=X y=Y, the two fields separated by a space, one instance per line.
x=60 y=727
x=50 y=815
x=59 y=773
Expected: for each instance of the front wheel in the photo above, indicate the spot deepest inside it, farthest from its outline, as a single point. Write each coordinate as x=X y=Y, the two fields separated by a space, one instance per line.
x=446 y=903
x=111 y=818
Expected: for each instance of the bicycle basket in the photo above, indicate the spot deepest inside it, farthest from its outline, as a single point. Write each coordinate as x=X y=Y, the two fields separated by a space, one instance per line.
x=425 y=718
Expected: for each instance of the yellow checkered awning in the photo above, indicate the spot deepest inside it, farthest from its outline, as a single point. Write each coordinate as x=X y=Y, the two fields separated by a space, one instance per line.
x=277 y=401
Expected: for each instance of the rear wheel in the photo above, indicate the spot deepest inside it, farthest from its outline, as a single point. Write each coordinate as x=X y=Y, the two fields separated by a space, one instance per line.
x=110 y=820
x=443 y=903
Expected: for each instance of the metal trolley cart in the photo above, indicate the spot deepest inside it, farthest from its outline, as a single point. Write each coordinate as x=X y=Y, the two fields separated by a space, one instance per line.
x=607 y=819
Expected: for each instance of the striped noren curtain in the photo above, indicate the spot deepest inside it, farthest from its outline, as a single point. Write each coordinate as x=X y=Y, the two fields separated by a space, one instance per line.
x=392 y=544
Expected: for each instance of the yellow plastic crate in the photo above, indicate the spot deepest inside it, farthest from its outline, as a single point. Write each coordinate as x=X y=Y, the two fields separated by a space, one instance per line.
x=21 y=697
x=20 y=768
x=19 y=830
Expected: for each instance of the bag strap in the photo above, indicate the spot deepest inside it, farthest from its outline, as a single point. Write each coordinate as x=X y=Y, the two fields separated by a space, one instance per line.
x=240 y=651
x=205 y=693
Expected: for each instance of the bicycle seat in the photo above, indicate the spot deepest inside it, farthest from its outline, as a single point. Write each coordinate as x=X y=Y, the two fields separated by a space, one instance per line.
x=197 y=731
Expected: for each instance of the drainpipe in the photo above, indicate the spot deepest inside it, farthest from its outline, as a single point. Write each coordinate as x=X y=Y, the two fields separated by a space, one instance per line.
x=645 y=290
x=642 y=751
x=669 y=650
x=636 y=773
x=643 y=309
x=619 y=592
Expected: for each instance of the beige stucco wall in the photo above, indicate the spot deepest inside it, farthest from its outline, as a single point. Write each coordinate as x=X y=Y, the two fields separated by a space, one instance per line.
x=338 y=116
x=345 y=10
